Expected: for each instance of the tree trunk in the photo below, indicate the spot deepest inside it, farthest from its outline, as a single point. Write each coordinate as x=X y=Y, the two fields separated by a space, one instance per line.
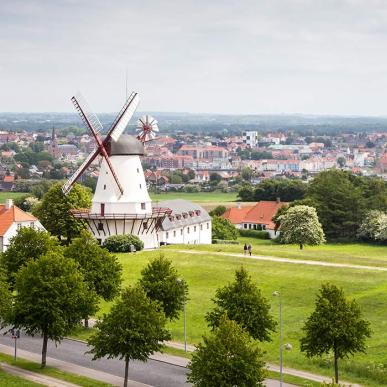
x=44 y=350
x=336 y=368
x=86 y=322
x=126 y=371
x=301 y=246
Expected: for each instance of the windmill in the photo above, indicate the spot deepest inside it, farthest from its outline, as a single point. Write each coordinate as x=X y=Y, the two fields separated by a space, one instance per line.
x=147 y=128
x=92 y=123
x=121 y=203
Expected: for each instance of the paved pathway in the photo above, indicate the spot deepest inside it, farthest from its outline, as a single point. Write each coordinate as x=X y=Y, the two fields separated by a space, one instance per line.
x=286 y=260
x=35 y=377
x=105 y=370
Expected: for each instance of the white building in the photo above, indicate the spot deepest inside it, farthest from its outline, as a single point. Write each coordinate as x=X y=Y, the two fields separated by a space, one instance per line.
x=132 y=212
x=250 y=138
x=12 y=219
x=188 y=223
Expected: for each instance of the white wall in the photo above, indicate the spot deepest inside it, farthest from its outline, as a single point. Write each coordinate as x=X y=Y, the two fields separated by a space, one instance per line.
x=200 y=233
x=131 y=176
x=12 y=231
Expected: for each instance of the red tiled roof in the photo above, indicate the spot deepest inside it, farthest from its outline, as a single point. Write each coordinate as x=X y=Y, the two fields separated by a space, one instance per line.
x=11 y=215
x=8 y=178
x=261 y=213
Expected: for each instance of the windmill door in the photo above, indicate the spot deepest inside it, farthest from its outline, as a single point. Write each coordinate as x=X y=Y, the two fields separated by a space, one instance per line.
x=102 y=209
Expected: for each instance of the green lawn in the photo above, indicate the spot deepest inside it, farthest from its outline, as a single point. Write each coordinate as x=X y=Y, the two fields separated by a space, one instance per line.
x=351 y=253
x=49 y=371
x=200 y=197
x=10 y=195
x=14 y=381
x=299 y=283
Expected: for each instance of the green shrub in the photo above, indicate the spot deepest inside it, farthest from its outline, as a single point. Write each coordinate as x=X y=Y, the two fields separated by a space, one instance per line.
x=254 y=234
x=223 y=229
x=225 y=242
x=122 y=243
x=218 y=211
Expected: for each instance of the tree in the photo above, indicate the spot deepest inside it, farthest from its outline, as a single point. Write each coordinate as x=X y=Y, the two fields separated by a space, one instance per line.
x=215 y=178
x=341 y=162
x=5 y=301
x=243 y=303
x=28 y=244
x=300 y=225
x=133 y=329
x=50 y=295
x=100 y=269
x=218 y=211
x=373 y=225
x=227 y=357
x=160 y=281
x=272 y=189
x=54 y=210
x=338 y=200
x=247 y=174
x=223 y=229
x=336 y=325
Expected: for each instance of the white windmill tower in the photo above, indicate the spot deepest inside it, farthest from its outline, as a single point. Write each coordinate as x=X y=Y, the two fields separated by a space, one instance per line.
x=121 y=203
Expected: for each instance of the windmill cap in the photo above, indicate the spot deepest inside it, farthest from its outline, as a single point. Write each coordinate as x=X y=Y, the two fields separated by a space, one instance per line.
x=126 y=145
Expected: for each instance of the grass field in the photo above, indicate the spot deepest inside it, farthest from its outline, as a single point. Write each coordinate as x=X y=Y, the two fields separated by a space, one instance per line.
x=14 y=381
x=10 y=195
x=205 y=272
x=48 y=371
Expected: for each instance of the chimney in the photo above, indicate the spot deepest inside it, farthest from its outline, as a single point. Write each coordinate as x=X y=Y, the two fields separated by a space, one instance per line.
x=278 y=200
x=8 y=204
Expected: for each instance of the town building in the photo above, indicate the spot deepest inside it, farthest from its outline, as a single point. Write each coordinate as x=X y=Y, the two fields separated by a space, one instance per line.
x=255 y=217
x=12 y=219
x=250 y=138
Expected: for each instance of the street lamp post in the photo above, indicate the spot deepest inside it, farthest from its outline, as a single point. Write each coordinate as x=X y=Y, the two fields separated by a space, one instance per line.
x=180 y=282
x=278 y=294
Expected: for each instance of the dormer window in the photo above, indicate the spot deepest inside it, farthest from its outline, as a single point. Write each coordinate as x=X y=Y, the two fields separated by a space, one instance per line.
x=197 y=212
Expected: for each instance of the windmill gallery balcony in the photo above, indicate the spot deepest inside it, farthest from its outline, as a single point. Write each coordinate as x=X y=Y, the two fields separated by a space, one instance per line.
x=103 y=225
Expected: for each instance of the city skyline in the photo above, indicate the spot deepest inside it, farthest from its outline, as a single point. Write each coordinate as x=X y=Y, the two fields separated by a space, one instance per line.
x=231 y=58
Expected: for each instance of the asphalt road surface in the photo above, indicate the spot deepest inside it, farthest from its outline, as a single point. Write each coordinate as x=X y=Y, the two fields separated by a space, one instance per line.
x=154 y=373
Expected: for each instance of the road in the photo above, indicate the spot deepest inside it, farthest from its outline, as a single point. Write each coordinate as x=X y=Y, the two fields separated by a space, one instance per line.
x=154 y=373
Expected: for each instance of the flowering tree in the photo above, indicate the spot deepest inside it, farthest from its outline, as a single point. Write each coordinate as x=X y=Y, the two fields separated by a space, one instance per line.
x=300 y=225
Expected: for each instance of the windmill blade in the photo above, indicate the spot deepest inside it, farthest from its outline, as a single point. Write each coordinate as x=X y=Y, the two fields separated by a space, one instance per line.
x=115 y=177
x=89 y=119
x=70 y=182
x=123 y=117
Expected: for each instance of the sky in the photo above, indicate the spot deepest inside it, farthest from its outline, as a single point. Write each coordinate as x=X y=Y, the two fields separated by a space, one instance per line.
x=199 y=56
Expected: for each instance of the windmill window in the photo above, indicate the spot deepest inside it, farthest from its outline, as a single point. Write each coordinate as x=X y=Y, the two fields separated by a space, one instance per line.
x=145 y=225
x=187 y=230
x=201 y=227
x=174 y=233
x=140 y=186
x=194 y=228
x=208 y=226
x=167 y=235
x=143 y=206
x=104 y=186
x=100 y=226
x=138 y=170
x=181 y=232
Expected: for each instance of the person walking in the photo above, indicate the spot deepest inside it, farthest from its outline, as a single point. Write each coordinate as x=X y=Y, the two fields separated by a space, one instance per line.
x=249 y=248
x=245 y=249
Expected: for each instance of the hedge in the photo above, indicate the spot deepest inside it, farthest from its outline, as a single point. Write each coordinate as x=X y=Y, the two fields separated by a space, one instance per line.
x=225 y=242
x=254 y=234
x=122 y=243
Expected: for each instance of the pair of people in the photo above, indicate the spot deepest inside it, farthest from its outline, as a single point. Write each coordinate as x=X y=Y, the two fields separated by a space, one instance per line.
x=247 y=248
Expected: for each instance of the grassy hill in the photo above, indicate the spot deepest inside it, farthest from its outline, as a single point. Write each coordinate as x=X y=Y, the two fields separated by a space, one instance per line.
x=206 y=271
